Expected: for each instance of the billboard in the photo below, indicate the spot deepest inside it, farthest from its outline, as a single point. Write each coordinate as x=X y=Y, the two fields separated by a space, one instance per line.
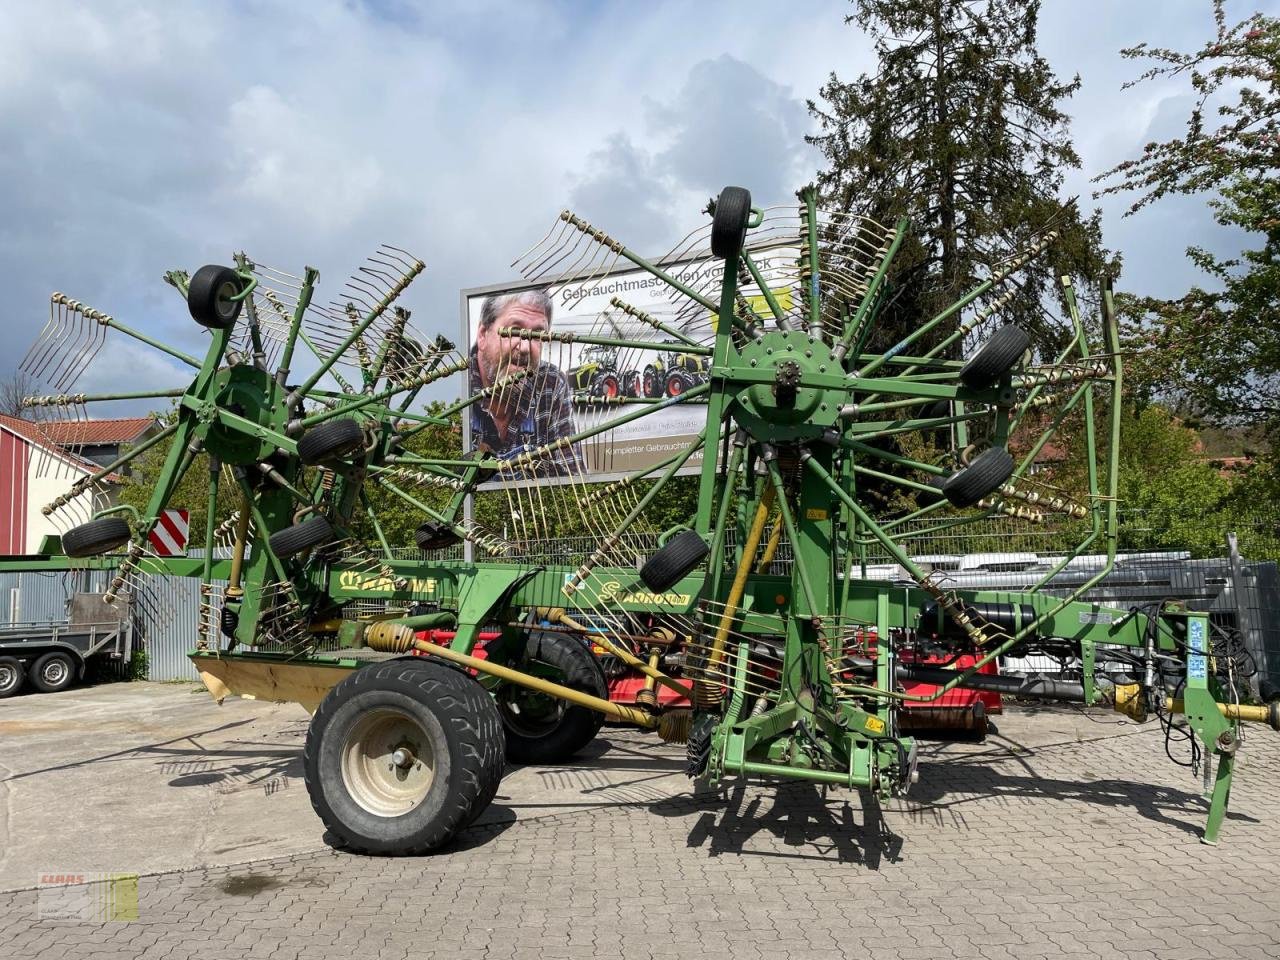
x=609 y=409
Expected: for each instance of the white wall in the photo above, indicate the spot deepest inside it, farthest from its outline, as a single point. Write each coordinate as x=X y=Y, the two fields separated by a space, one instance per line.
x=48 y=477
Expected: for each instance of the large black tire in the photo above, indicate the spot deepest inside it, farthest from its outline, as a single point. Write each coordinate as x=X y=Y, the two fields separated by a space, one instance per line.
x=653 y=382
x=11 y=676
x=631 y=383
x=453 y=736
x=55 y=671
x=209 y=294
x=984 y=475
x=95 y=537
x=543 y=729
x=312 y=532
x=679 y=382
x=330 y=440
x=606 y=385
x=496 y=760
x=729 y=222
x=674 y=561
x=995 y=358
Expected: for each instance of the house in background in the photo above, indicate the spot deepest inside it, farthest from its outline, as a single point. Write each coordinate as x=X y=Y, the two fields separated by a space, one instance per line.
x=41 y=461
x=99 y=440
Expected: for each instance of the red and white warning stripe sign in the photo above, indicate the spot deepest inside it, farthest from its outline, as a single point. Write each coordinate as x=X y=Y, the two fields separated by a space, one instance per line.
x=169 y=536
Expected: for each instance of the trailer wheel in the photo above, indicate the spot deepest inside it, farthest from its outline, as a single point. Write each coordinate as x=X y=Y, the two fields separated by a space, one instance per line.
x=95 y=537
x=496 y=760
x=544 y=729
x=402 y=755
x=11 y=676
x=54 y=671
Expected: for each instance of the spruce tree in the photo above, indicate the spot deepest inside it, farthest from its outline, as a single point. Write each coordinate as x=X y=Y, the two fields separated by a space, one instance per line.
x=960 y=129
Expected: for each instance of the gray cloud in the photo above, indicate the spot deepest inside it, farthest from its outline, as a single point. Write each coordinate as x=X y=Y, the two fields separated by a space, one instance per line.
x=623 y=187
x=727 y=124
x=142 y=137
x=732 y=124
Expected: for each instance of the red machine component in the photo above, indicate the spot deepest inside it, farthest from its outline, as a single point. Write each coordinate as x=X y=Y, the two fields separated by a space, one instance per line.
x=622 y=689
x=955 y=709
x=959 y=698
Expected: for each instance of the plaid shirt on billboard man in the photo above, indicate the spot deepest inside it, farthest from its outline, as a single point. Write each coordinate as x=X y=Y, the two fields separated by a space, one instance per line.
x=537 y=410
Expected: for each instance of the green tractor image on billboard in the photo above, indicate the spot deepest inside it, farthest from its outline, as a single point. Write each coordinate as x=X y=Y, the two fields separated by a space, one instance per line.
x=672 y=375
x=597 y=374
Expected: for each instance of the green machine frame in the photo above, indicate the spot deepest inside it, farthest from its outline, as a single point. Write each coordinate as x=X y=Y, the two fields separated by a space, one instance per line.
x=797 y=415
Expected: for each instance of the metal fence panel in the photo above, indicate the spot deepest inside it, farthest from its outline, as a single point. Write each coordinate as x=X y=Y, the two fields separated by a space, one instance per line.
x=1243 y=594
x=170 y=617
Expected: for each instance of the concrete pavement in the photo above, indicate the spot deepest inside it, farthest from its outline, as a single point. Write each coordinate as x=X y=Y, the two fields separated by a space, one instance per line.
x=1065 y=833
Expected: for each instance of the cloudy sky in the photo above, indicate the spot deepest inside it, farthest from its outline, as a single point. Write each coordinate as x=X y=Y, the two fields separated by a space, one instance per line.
x=139 y=137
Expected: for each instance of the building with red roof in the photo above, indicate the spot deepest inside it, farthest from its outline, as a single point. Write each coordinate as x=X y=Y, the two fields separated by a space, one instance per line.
x=41 y=460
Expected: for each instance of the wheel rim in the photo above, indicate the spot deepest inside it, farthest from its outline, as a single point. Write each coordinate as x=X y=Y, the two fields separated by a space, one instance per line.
x=611 y=388
x=675 y=388
x=528 y=713
x=388 y=764
x=224 y=303
x=54 y=672
x=8 y=677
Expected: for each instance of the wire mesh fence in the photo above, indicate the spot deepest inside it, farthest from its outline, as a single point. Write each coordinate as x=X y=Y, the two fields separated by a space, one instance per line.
x=1241 y=591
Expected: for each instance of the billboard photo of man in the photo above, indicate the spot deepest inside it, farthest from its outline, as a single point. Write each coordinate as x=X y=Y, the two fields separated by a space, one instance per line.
x=532 y=413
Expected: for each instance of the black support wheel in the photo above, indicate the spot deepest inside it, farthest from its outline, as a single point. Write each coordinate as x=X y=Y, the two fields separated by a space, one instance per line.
x=329 y=441
x=54 y=671
x=729 y=222
x=541 y=728
x=11 y=676
x=995 y=358
x=209 y=296
x=934 y=494
x=674 y=561
x=434 y=535
x=402 y=755
x=985 y=475
x=95 y=537
x=312 y=532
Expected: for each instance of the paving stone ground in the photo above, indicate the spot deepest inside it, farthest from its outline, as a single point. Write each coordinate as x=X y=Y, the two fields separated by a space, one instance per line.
x=1063 y=834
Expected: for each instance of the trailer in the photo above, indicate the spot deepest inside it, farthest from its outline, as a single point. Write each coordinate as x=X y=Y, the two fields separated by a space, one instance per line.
x=53 y=655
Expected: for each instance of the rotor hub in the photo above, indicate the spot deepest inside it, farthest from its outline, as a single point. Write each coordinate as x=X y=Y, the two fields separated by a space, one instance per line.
x=787 y=405
x=251 y=394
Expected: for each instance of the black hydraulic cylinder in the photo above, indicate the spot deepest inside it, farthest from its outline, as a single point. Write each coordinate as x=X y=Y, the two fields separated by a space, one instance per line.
x=1007 y=617
x=1034 y=687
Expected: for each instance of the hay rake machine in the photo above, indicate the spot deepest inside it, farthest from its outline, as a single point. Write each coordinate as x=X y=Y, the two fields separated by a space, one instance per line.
x=790 y=672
